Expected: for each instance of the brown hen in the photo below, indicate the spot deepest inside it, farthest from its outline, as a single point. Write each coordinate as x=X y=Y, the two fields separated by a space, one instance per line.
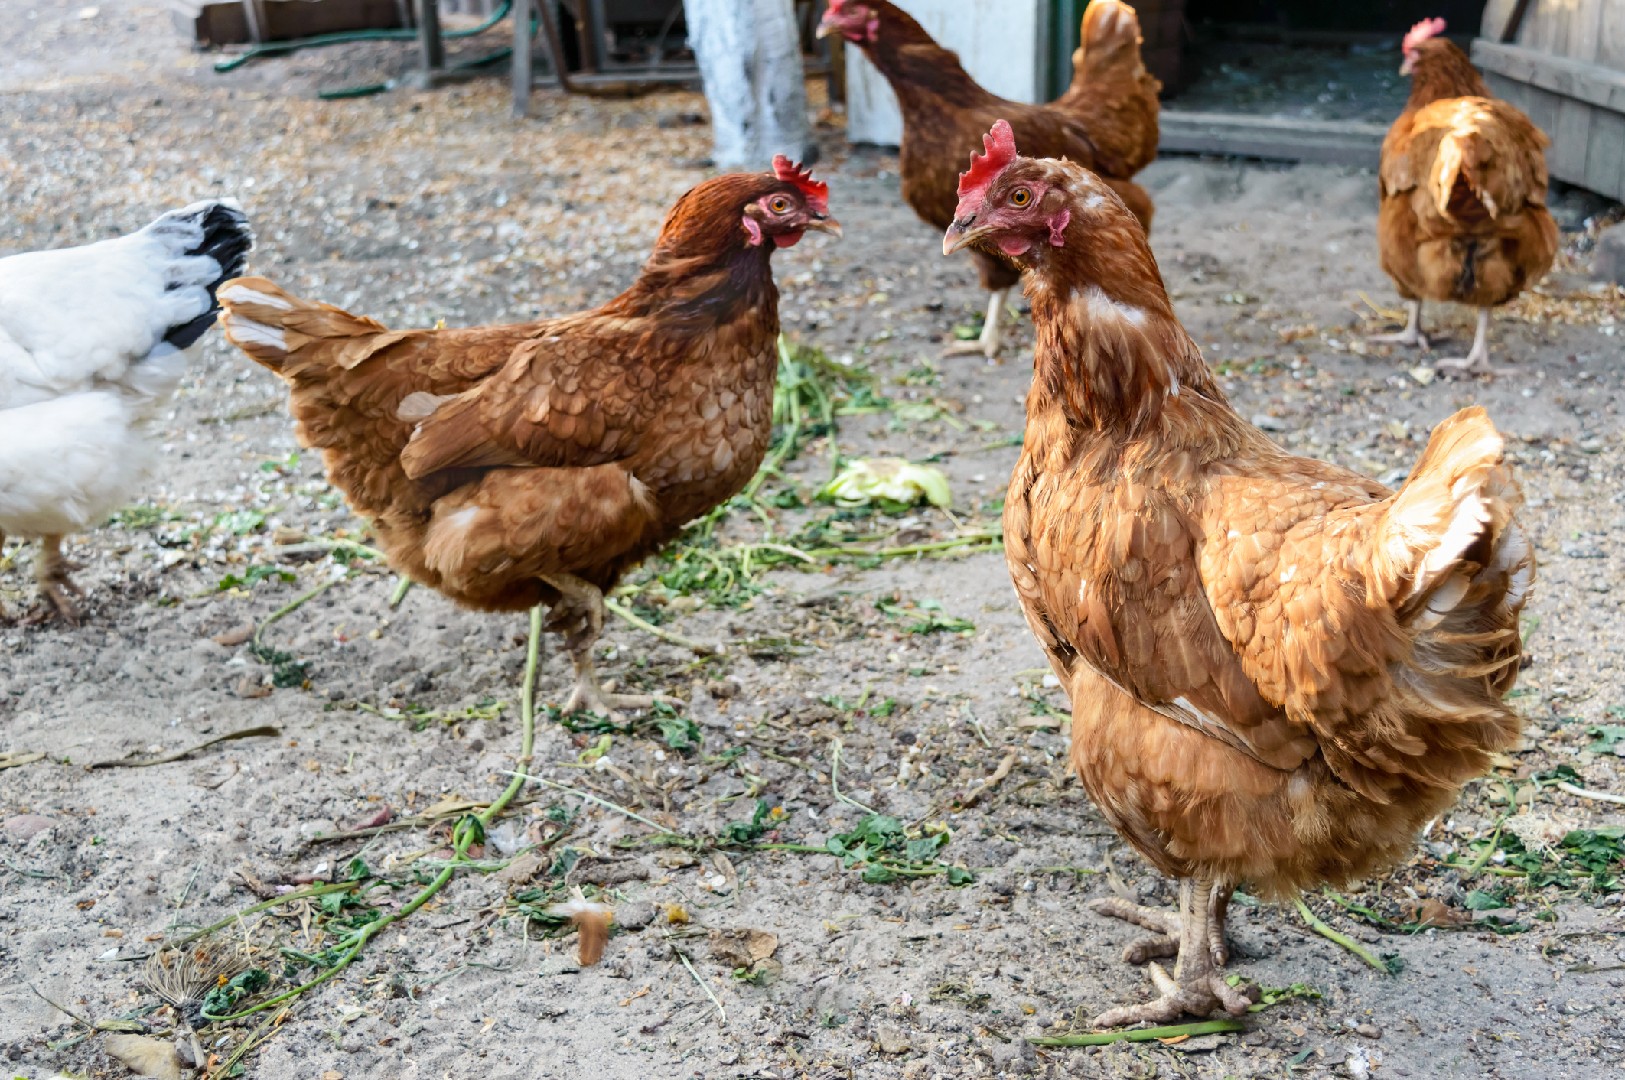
x=1279 y=669
x=1463 y=214
x=1112 y=92
x=1100 y=123
x=509 y=466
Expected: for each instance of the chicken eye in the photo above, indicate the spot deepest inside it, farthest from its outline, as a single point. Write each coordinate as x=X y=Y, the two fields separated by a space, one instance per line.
x=1020 y=197
x=779 y=205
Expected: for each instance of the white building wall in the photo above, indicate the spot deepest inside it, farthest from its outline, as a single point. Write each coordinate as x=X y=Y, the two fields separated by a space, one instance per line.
x=998 y=41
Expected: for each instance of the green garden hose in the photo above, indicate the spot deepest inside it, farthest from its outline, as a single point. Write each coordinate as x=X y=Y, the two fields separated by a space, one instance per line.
x=346 y=37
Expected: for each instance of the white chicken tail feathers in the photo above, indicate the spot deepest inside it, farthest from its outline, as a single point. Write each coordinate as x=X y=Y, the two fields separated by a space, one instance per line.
x=292 y=336
x=203 y=245
x=1453 y=560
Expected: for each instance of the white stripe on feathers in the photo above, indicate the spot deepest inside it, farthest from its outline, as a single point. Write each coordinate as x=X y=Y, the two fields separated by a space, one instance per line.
x=248 y=332
x=242 y=294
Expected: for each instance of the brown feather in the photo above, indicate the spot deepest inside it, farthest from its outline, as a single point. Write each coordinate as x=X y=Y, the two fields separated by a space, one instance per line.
x=487 y=458
x=1463 y=183
x=1106 y=121
x=1279 y=669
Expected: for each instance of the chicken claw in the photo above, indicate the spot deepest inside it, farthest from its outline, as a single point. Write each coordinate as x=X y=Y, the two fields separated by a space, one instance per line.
x=54 y=584
x=579 y=615
x=1412 y=334
x=1195 y=994
x=1195 y=934
x=588 y=696
x=1163 y=943
x=1477 y=359
x=992 y=331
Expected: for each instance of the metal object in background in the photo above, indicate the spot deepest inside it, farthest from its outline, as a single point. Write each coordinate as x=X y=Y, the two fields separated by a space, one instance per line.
x=590 y=51
x=597 y=65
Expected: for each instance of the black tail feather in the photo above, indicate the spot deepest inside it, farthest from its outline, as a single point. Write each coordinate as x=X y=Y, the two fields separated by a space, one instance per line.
x=227 y=239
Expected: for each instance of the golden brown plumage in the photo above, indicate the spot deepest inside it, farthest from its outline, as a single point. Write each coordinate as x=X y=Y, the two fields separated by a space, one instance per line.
x=1463 y=183
x=945 y=113
x=1279 y=669
x=508 y=466
x=1112 y=92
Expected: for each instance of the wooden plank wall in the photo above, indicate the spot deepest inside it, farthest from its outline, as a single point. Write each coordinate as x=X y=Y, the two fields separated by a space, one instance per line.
x=1588 y=140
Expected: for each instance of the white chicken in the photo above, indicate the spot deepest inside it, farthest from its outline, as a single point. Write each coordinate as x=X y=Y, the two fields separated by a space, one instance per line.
x=92 y=340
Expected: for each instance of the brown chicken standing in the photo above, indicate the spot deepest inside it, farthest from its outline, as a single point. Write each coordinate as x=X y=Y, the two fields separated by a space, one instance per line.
x=1107 y=120
x=508 y=466
x=1279 y=669
x=1463 y=214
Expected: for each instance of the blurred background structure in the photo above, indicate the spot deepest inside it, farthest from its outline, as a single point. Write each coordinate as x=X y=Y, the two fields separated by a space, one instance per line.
x=1296 y=80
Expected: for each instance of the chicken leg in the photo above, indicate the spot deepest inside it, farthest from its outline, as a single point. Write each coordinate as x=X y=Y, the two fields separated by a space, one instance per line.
x=579 y=615
x=51 y=574
x=992 y=332
x=1412 y=334
x=1478 y=357
x=1196 y=935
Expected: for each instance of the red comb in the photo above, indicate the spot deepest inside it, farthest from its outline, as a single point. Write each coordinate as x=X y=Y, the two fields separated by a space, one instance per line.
x=817 y=192
x=999 y=150
x=1427 y=28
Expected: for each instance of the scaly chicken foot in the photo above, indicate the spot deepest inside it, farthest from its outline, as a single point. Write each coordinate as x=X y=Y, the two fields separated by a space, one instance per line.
x=1167 y=924
x=51 y=574
x=1197 y=986
x=1162 y=944
x=579 y=616
x=992 y=331
x=1478 y=357
x=1412 y=334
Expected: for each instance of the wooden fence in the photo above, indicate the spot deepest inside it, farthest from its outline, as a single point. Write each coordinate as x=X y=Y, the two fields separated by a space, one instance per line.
x=1563 y=63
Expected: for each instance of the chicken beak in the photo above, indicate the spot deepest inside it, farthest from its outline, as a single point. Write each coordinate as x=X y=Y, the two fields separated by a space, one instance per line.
x=960 y=234
x=825 y=30
x=827 y=224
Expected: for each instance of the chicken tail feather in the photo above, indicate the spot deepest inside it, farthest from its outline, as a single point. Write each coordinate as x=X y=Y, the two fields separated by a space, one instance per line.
x=1111 y=30
x=292 y=336
x=1455 y=563
x=227 y=239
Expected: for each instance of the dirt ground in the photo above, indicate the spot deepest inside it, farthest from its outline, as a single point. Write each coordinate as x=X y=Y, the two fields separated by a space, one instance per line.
x=416 y=207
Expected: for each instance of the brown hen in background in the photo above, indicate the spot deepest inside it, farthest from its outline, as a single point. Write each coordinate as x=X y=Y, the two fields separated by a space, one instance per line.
x=1463 y=214
x=1279 y=669
x=1107 y=120
x=509 y=466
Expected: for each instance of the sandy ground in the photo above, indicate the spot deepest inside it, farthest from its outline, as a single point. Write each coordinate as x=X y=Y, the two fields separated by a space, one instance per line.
x=418 y=207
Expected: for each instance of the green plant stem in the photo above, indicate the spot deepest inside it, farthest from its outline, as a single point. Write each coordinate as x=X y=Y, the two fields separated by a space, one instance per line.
x=265 y=905
x=627 y=615
x=325 y=544
x=1478 y=864
x=721 y=1012
x=1170 y=1031
x=976 y=540
x=261 y=1032
x=290 y=607
x=1319 y=926
x=463 y=839
x=402 y=587
x=590 y=797
x=834 y=773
